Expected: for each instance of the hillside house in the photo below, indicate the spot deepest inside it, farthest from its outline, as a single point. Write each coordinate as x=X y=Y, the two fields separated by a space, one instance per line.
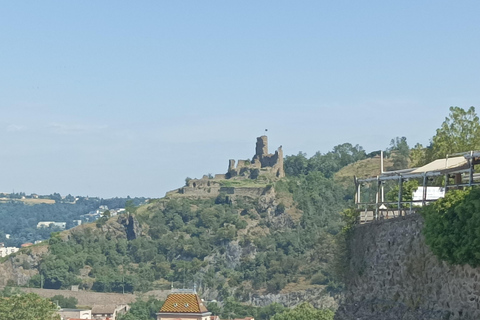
x=110 y=312
x=5 y=251
x=183 y=305
x=48 y=224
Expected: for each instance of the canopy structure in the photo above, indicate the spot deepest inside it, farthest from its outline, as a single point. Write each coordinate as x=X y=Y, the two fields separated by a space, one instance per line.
x=460 y=167
x=444 y=166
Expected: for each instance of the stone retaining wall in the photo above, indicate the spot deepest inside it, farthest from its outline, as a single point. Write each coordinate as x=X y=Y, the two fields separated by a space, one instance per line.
x=394 y=275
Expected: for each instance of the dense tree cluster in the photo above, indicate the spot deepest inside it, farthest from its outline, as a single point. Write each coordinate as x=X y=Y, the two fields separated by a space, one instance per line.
x=305 y=311
x=142 y=310
x=460 y=132
x=181 y=233
x=327 y=164
x=20 y=219
x=452 y=227
x=28 y=306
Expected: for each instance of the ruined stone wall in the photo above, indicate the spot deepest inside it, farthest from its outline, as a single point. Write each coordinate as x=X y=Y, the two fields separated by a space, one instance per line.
x=392 y=274
x=270 y=166
x=243 y=191
x=261 y=159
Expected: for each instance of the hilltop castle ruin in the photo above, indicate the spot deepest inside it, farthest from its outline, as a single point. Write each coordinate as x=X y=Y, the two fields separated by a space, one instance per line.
x=264 y=167
x=262 y=161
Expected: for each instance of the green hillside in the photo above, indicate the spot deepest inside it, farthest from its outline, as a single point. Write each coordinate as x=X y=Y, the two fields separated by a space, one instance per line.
x=279 y=238
x=278 y=241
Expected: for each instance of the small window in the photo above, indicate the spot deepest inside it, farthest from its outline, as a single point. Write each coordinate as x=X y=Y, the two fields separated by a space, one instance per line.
x=186 y=305
x=175 y=304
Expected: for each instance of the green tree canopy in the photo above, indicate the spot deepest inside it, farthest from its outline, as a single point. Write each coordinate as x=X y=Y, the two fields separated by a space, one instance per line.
x=305 y=311
x=64 y=302
x=142 y=310
x=400 y=152
x=29 y=306
x=452 y=227
x=458 y=133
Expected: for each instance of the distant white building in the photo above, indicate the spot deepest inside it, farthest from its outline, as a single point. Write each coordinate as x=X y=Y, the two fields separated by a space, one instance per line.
x=48 y=224
x=5 y=251
x=114 y=212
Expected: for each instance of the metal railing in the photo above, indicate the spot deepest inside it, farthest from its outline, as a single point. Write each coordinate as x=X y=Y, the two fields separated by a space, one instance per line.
x=371 y=211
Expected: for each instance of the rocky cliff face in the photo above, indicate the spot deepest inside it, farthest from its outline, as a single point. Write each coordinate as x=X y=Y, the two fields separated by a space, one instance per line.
x=394 y=275
x=21 y=266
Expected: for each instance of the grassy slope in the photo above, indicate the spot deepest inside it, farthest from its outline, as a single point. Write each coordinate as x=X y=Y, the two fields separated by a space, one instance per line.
x=361 y=169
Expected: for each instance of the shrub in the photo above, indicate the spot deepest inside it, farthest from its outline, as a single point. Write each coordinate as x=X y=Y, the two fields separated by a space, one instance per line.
x=451 y=227
x=319 y=278
x=277 y=283
x=280 y=208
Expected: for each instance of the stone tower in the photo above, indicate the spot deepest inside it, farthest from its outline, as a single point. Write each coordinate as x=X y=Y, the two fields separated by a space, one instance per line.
x=261 y=148
x=263 y=159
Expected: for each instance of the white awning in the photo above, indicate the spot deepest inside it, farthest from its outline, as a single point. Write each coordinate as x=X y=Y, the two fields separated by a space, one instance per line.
x=444 y=165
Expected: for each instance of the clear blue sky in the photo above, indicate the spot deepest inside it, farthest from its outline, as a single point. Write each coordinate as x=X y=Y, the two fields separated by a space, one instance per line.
x=116 y=98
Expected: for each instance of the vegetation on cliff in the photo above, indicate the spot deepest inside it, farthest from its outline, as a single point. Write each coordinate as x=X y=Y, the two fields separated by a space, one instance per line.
x=282 y=240
x=305 y=311
x=452 y=227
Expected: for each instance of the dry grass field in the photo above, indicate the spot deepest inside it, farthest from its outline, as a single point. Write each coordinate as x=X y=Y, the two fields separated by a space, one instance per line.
x=29 y=201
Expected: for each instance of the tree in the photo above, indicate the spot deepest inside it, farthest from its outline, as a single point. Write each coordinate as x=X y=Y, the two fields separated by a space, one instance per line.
x=305 y=311
x=296 y=165
x=29 y=306
x=452 y=227
x=418 y=155
x=459 y=132
x=64 y=302
x=341 y=156
x=214 y=308
x=408 y=188
x=10 y=291
x=143 y=310
x=399 y=151
x=107 y=214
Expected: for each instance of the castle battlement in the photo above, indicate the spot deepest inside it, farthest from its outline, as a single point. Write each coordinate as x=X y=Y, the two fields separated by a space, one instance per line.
x=271 y=163
x=263 y=164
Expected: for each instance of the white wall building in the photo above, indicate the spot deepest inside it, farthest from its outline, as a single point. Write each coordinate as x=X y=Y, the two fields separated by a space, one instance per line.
x=47 y=224
x=5 y=251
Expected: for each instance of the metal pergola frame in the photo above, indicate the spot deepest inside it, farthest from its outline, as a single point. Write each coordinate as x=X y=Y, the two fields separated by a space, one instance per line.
x=472 y=158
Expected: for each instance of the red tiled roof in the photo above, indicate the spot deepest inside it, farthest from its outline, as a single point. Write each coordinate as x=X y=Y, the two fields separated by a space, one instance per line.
x=183 y=303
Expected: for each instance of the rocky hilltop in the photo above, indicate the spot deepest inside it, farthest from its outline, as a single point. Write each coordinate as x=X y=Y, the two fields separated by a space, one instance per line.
x=246 y=178
x=250 y=233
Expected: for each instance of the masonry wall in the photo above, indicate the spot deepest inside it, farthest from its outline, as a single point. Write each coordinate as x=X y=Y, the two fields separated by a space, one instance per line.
x=392 y=274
